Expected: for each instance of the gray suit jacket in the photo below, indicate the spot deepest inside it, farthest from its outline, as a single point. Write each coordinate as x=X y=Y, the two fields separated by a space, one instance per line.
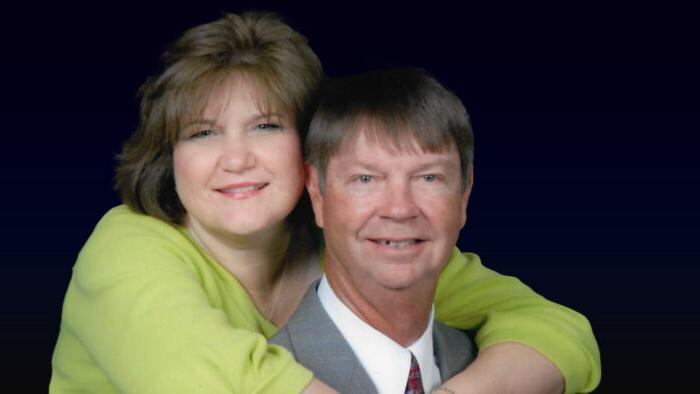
x=316 y=343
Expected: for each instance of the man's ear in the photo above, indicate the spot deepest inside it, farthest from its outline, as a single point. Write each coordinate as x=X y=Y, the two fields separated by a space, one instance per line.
x=467 y=192
x=314 y=189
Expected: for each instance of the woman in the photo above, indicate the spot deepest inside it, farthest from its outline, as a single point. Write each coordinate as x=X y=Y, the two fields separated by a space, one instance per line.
x=178 y=289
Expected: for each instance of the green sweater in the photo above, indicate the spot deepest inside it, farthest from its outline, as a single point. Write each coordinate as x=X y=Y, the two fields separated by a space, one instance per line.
x=149 y=311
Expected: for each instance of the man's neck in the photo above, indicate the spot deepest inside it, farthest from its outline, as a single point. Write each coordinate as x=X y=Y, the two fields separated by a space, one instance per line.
x=384 y=359
x=401 y=315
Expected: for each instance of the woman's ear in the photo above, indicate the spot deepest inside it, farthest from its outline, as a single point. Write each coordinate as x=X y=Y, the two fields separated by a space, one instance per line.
x=314 y=189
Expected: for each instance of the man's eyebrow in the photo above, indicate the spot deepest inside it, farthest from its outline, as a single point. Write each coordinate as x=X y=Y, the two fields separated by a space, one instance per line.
x=355 y=163
x=432 y=162
x=439 y=162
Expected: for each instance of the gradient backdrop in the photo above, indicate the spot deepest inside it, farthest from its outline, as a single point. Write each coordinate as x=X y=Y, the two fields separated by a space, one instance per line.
x=587 y=157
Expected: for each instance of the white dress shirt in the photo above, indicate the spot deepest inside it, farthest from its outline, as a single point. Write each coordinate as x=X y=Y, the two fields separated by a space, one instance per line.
x=387 y=363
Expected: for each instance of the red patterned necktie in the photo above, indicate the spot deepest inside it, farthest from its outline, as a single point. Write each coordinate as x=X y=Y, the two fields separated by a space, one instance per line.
x=415 y=383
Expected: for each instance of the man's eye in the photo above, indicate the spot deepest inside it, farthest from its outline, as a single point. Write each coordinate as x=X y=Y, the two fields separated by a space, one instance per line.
x=364 y=178
x=430 y=177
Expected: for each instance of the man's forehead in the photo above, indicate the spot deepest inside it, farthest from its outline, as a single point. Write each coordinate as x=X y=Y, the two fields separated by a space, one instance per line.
x=366 y=141
x=364 y=151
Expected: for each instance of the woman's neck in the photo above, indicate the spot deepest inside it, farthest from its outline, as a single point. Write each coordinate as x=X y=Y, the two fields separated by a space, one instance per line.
x=275 y=267
x=255 y=260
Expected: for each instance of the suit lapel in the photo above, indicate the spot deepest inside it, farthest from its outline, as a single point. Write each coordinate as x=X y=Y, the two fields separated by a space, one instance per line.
x=318 y=344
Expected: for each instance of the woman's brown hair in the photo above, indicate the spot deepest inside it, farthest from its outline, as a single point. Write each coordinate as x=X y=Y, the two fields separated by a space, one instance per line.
x=258 y=45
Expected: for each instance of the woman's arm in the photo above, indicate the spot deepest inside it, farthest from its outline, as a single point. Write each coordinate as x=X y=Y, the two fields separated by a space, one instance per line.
x=502 y=309
x=503 y=368
x=145 y=313
x=318 y=387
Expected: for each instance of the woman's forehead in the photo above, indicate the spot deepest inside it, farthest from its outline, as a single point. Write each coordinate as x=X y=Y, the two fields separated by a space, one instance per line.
x=217 y=95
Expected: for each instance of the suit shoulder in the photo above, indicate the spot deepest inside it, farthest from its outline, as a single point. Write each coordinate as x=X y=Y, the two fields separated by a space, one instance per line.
x=282 y=338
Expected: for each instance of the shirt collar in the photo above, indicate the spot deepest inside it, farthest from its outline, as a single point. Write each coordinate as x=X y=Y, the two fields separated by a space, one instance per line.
x=387 y=363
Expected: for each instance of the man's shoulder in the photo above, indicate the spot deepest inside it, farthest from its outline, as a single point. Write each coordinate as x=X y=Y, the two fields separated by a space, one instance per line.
x=315 y=341
x=309 y=321
x=454 y=349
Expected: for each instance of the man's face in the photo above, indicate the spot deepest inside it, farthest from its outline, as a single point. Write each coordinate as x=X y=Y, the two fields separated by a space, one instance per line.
x=390 y=218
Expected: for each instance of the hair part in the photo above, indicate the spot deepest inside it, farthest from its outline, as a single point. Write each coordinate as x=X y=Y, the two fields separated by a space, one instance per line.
x=394 y=108
x=199 y=65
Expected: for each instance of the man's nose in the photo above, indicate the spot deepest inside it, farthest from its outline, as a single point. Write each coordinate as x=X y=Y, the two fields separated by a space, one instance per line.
x=399 y=202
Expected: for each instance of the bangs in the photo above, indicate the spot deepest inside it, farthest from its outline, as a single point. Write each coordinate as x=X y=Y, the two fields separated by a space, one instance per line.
x=191 y=100
x=397 y=133
x=400 y=135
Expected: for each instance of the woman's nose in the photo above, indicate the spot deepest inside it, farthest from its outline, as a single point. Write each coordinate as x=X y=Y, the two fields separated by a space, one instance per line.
x=237 y=156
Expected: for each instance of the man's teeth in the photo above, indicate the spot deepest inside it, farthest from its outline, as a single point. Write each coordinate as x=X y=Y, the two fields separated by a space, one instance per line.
x=397 y=244
x=242 y=189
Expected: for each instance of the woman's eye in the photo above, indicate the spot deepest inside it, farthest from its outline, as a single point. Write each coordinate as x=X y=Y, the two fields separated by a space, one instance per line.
x=268 y=126
x=364 y=178
x=202 y=133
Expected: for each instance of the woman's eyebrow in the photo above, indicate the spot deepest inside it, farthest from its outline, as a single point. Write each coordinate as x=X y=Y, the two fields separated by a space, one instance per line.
x=269 y=115
x=214 y=122
x=199 y=122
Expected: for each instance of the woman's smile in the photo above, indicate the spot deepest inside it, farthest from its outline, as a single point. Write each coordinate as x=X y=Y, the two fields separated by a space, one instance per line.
x=239 y=191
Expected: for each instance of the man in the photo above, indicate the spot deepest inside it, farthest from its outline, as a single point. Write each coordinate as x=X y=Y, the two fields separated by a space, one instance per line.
x=389 y=182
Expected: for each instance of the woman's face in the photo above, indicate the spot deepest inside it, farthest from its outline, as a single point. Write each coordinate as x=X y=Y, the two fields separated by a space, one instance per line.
x=238 y=169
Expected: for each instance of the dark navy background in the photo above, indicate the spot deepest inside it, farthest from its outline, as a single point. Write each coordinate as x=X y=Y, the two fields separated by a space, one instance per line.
x=587 y=158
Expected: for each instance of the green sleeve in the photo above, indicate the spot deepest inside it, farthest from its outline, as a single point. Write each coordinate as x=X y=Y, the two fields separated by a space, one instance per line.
x=140 y=317
x=471 y=296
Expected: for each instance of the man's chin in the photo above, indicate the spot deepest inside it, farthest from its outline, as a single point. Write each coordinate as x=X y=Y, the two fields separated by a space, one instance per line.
x=400 y=281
